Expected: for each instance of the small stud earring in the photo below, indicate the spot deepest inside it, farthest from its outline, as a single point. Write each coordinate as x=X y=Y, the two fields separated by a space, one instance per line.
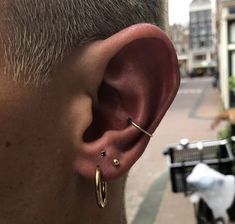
x=116 y=162
x=103 y=153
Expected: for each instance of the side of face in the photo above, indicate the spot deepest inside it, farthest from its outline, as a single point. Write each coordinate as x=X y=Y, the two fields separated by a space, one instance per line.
x=50 y=134
x=37 y=154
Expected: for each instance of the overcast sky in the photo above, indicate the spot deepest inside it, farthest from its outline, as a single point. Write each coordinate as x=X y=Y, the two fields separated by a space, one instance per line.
x=179 y=11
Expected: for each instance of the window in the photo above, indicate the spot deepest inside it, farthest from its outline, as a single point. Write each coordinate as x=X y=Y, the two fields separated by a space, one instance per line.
x=194 y=29
x=203 y=31
x=194 y=43
x=232 y=10
x=201 y=57
x=232 y=61
x=193 y=17
x=208 y=15
x=209 y=28
x=213 y=56
x=231 y=32
x=201 y=16
x=202 y=43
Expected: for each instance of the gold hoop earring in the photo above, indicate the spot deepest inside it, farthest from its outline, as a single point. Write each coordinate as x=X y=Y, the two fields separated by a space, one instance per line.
x=101 y=189
x=139 y=128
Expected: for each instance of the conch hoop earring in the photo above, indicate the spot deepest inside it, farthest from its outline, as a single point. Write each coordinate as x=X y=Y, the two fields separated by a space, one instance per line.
x=139 y=128
x=101 y=189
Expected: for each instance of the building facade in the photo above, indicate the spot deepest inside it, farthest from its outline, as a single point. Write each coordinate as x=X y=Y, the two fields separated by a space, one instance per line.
x=226 y=37
x=202 y=28
x=179 y=35
x=166 y=9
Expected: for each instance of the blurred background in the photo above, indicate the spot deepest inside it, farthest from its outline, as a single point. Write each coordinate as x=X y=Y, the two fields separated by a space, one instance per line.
x=203 y=33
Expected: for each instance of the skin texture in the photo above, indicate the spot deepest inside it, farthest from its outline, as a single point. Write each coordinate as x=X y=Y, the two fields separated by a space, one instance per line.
x=38 y=182
x=52 y=136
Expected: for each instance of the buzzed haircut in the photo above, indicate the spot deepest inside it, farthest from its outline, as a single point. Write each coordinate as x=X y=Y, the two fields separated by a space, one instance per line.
x=38 y=34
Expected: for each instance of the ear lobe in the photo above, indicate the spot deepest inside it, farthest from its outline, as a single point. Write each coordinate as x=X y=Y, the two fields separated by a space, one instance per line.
x=140 y=81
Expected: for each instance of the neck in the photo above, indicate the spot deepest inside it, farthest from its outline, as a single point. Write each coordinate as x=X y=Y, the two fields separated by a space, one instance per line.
x=114 y=211
x=69 y=200
x=76 y=203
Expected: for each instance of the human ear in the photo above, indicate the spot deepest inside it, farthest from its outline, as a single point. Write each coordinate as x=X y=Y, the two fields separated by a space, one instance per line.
x=136 y=76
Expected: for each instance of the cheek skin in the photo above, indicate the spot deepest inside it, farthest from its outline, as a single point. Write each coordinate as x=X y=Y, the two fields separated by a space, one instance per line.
x=29 y=136
x=36 y=148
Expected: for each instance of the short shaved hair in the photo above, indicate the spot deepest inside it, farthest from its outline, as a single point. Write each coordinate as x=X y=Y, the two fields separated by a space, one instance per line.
x=38 y=34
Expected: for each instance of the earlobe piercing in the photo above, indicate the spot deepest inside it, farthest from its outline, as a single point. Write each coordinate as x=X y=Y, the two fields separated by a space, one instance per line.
x=103 y=153
x=116 y=162
x=139 y=128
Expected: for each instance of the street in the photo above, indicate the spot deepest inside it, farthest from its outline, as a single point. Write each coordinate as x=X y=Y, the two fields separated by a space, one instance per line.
x=190 y=116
